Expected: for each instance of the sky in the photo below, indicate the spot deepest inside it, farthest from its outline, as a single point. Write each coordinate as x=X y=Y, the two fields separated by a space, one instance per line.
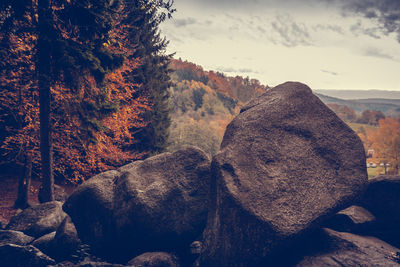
x=326 y=44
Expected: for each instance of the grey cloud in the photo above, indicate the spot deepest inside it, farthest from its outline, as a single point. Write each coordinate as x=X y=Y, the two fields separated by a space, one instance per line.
x=375 y=52
x=330 y=72
x=184 y=22
x=328 y=27
x=358 y=29
x=291 y=33
x=386 y=12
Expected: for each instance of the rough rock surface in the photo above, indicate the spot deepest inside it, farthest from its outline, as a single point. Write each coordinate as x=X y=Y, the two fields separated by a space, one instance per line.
x=99 y=264
x=286 y=162
x=23 y=256
x=353 y=219
x=14 y=237
x=66 y=240
x=345 y=249
x=45 y=243
x=382 y=198
x=155 y=204
x=155 y=259
x=38 y=220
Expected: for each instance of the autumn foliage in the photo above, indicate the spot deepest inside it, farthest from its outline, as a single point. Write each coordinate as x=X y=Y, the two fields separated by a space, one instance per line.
x=386 y=142
x=93 y=123
x=203 y=103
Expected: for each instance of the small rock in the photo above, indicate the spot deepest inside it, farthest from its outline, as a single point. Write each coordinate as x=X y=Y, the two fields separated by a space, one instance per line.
x=353 y=219
x=99 y=264
x=155 y=259
x=38 y=220
x=23 y=256
x=14 y=237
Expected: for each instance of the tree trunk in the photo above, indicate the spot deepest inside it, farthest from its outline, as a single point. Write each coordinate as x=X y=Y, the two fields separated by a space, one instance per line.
x=43 y=65
x=24 y=183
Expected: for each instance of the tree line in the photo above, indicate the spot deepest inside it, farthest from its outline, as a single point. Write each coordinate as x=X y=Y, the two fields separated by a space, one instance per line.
x=83 y=86
x=348 y=114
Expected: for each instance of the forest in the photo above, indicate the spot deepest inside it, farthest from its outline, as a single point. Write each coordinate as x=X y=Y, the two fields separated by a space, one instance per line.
x=83 y=85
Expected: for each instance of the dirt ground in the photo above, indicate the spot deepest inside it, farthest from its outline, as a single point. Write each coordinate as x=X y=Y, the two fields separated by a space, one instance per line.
x=8 y=195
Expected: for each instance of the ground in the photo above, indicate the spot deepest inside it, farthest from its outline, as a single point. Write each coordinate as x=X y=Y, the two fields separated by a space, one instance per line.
x=8 y=194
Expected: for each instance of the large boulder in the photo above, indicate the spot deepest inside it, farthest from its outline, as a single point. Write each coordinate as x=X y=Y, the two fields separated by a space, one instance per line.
x=286 y=163
x=38 y=220
x=14 y=237
x=345 y=249
x=382 y=198
x=160 y=203
x=91 y=209
x=22 y=256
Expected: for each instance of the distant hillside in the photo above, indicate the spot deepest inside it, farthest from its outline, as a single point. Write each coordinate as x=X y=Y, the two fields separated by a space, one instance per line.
x=360 y=94
x=202 y=104
x=390 y=107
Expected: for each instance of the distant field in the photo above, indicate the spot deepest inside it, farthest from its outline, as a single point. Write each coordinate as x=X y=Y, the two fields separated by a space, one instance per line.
x=372 y=172
x=356 y=126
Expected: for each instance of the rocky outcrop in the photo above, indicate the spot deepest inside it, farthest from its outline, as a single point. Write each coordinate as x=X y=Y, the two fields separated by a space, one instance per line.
x=14 y=237
x=345 y=249
x=155 y=259
x=156 y=204
x=286 y=163
x=22 y=256
x=38 y=220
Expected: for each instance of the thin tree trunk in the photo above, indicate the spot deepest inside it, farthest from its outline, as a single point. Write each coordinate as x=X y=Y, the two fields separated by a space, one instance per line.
x=44 y=73
x=24 y=183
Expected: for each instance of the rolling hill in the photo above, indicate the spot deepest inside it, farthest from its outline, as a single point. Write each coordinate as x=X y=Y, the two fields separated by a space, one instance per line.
x=390 y=107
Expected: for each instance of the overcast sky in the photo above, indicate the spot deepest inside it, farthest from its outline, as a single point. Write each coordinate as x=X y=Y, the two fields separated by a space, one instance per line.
x=327 y=44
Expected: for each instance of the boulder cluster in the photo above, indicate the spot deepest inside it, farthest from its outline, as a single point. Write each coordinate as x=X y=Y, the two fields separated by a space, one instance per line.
x=288 y=187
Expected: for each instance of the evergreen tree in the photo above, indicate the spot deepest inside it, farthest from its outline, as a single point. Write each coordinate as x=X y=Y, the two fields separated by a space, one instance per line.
x=144 y=17
x=70 y=47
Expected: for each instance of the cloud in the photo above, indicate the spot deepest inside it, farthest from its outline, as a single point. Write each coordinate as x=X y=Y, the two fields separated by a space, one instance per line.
x=386 y=12
x=328 y=27
x=289 y=32
x=184 y=22
x=375 y=52
x=358 y=28
x=233 y=70
x=329 y=72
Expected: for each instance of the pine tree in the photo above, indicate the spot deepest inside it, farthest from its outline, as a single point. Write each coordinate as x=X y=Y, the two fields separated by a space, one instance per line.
x=70 y=48
x=144 y=17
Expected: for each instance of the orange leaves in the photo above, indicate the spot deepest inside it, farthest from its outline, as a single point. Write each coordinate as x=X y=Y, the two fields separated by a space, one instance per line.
x=386 y=141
